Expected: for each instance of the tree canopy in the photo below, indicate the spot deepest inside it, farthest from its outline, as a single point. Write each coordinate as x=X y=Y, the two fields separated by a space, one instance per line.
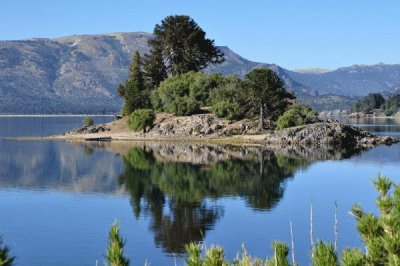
x=267 y=95
x=392 y=104
x=368 y=103
x=180 y=45
x=133 y=91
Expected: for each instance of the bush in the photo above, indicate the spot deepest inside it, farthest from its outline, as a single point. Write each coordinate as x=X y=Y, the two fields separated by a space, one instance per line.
x=297 y=115
x=140 y=119
x=185 y=94
x=228 y=100
x=88 y=121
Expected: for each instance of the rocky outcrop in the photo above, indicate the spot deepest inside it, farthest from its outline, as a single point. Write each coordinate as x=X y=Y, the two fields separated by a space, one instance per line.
x=196 y=127
x=330 y=133
x=199 y=126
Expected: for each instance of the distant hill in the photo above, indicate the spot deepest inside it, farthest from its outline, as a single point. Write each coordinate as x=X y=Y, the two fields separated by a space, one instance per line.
x=357 y=80
x=80 y=74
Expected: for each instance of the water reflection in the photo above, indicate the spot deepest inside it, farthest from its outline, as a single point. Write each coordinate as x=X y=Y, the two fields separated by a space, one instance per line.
x=174 y=184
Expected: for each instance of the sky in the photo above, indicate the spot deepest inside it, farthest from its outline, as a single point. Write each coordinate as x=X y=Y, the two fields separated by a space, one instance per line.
x=294 y=34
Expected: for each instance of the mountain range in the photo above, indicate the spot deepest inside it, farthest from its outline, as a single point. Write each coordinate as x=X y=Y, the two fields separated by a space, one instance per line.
x=80 y=74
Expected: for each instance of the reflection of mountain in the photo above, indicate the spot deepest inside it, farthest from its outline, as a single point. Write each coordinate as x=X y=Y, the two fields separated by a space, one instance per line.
x=57 y=165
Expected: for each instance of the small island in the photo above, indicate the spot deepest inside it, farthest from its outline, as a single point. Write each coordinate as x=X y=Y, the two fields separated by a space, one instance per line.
x=168 y=96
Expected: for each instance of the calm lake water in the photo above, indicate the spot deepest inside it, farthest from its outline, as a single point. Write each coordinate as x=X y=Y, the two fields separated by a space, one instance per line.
x=59 y=199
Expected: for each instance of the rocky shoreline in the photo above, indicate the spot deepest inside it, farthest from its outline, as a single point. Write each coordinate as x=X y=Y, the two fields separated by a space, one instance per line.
x=209 y=127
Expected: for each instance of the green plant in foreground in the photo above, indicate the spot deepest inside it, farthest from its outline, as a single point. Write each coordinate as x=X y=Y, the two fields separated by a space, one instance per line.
x=140 y=119
x=115 y=252
x=88 y=121
x=324 y=255
x=381 y=234
x=5 y=258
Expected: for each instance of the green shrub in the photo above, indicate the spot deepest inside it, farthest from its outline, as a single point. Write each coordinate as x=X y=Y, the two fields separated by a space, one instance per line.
x=88 y=121
x=140 y=119
x=297 y=115
x=185 y=94
x=229 y=100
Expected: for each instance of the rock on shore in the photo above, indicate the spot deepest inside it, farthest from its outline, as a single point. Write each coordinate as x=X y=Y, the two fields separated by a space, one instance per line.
x=327 y=133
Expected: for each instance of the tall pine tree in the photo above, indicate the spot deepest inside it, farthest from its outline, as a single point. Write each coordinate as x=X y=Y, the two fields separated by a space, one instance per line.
x=154 y=68
x=134 y=91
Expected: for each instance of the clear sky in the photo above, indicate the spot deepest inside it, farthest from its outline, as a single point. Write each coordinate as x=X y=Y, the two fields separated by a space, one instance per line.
x=291 y=33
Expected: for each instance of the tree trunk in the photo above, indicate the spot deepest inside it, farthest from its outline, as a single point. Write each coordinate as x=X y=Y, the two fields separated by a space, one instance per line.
x=261 y=125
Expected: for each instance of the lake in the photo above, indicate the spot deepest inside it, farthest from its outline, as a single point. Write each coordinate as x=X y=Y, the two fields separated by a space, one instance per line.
x=59 y=199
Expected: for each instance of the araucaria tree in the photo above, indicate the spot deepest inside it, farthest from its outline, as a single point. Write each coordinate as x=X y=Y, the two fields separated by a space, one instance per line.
x=134 y=91
x=115 y=253
x=180 y=45
x=267 y=96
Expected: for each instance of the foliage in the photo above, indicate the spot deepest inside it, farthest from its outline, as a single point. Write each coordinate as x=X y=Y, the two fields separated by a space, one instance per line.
x=281 y=251
x=324 y=255
x=368 y=103
x=133 y=91
x=5 y=258
x=381 y=234
x=267 y=95
x=155 y=70
x=229 y=99
x=297 y=115
x=185 y=94
x=115 y=253
x=88 y=121
x=185 y=187
x=140 y=119
x=180 y=44
x=352 y=257
x=392 y=105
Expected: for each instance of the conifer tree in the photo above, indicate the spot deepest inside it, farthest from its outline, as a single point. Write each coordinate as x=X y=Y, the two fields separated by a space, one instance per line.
x=381 y=234
x=180 y=45
x=133 y=91
x=267 y=96
x=154 y=68
x=115 y=253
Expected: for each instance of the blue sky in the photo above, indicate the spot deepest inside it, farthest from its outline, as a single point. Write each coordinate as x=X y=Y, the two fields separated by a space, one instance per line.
x=293 y=34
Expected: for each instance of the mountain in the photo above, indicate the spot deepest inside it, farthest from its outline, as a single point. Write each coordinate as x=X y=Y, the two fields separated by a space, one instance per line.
x=77 y=74
x=356 y=80
x=80 y=74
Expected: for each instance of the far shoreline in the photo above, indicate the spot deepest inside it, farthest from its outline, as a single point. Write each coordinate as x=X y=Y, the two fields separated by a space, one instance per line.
x=56 y=115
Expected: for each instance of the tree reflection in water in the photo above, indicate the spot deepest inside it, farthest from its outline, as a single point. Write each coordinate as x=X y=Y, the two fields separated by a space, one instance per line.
x=178 y=195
